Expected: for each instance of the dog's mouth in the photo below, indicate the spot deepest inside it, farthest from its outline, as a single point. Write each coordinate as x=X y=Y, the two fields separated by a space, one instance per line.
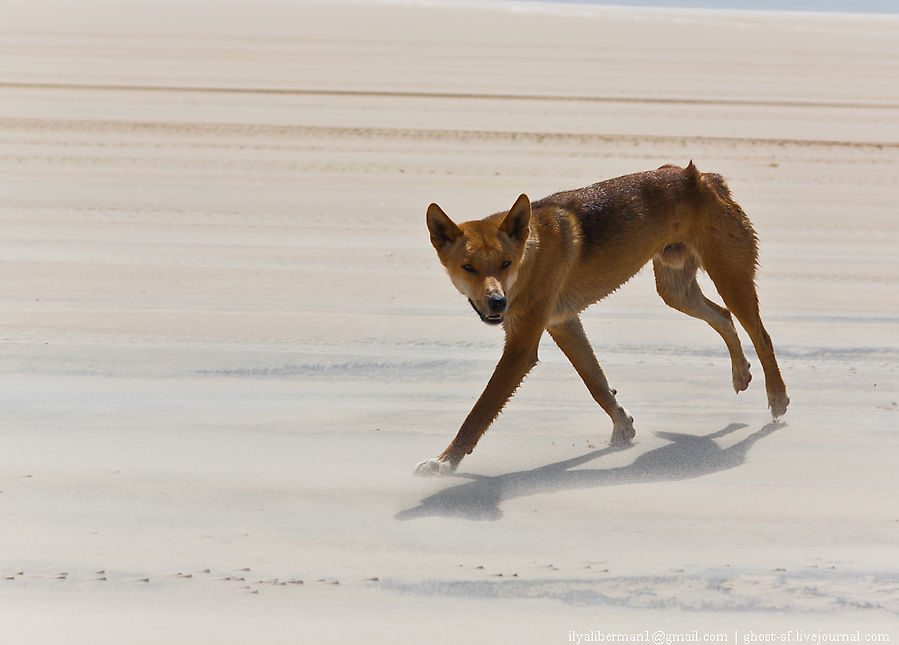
x=493 y=319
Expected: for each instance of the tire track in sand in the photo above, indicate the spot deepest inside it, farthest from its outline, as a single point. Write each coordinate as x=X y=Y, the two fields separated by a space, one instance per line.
x=81 y=126
x=418 y=94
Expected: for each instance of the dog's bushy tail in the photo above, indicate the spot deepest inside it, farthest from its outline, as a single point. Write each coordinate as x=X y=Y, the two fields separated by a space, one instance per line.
x=724 y=214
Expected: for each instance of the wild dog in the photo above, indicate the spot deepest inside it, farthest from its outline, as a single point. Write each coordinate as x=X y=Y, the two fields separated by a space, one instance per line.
x=535 y=267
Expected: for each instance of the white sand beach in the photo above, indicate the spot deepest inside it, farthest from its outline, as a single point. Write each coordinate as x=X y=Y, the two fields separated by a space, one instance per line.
x=225 y=340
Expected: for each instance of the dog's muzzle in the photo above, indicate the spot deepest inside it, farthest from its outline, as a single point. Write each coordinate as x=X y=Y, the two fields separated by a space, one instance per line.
x=496 y=307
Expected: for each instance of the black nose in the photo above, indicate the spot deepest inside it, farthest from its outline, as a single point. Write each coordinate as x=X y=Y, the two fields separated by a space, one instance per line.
x=496 y=303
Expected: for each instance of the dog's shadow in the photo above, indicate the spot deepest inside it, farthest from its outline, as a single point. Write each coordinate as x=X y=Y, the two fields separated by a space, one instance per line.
x=685 y=457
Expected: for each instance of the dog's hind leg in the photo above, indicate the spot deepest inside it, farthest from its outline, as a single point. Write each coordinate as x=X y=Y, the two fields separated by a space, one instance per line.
x=675 y=272
x=735 y=281
x=572 y=340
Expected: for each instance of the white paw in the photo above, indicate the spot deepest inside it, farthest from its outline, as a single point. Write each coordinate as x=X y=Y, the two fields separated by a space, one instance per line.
x=778 y=404
x=434 y=467
x=741 y=376
x=623 y=432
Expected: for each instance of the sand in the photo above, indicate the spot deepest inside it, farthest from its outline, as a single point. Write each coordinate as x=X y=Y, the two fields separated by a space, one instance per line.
x=225 y=340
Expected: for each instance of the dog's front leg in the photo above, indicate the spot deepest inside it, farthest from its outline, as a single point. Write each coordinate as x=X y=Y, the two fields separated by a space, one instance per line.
x=519 y=356
x=572 y=340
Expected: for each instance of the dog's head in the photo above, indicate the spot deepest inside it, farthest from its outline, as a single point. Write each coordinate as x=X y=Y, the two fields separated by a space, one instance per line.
x=482 y=257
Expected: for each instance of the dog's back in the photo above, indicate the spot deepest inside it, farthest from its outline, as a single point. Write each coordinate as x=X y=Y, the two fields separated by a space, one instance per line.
x=611 y=229
x=670 y=202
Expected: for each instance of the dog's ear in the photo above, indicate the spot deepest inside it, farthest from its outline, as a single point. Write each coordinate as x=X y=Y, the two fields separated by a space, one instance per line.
x=516 y=223
x=443 y=230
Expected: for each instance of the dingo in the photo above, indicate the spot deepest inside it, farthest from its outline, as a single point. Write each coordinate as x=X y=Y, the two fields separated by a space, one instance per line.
x=537 y=266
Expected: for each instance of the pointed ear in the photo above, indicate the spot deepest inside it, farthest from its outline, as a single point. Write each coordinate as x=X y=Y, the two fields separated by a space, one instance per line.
x=516 y=224
x=443 y=230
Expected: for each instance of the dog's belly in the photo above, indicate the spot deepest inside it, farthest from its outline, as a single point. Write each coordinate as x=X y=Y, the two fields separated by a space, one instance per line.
x=572 y=303
x=591 y=285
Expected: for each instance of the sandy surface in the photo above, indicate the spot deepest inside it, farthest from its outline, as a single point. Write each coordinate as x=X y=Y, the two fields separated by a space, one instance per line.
x=225 y=340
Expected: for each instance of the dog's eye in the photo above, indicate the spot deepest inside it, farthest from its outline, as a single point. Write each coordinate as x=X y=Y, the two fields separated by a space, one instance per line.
x=469 y=268
x=506 y=264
